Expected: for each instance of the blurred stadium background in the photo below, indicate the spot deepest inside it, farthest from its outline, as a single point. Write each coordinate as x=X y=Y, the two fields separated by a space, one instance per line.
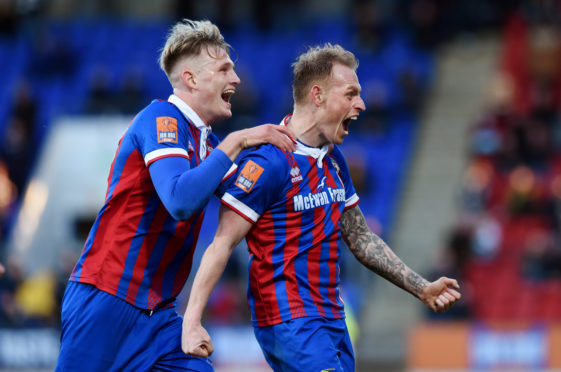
x=457 y=161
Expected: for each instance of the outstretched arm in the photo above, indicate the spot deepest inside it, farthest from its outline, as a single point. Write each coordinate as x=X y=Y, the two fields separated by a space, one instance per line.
x=231 y=229
x=376 y=255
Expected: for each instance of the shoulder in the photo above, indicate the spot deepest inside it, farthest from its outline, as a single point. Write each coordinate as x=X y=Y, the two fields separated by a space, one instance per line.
x=337 y=154
x=158 y=109
x=270 y=160
x=160 y=116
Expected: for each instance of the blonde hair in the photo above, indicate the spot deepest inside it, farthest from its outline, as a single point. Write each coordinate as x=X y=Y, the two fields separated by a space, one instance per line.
x=188 y=38
x=316 y=64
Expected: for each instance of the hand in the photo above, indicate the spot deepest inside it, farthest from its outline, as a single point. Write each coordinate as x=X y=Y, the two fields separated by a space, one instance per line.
x=441 y=294
x=196 y=341
x=278 y=135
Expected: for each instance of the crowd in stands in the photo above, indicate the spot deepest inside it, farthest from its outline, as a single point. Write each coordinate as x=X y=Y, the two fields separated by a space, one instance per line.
x=506 y=246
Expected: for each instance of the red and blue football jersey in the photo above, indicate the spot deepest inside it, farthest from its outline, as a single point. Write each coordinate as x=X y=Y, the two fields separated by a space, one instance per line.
x=295 y=201
x=136 y=250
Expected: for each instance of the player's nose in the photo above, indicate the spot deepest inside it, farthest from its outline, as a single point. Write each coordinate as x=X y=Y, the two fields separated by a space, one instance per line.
x=360 y=105
x=235 y=79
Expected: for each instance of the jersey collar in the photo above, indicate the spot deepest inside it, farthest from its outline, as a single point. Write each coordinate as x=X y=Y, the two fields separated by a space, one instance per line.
x=189 y=113
x=302 y=149
x=196 y=120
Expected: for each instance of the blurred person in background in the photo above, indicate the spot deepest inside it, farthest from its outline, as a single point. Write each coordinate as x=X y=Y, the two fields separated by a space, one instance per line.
x=11 y=313
x=293 y=207
x=118 y=312
x=18 y=146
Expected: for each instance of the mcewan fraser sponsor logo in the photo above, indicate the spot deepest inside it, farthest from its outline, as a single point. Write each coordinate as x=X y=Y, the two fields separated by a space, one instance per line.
x=318 y=199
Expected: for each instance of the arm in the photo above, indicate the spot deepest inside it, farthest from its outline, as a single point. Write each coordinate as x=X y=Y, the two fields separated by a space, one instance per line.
x=184 y=190
x=231 y=229
x=375 y=254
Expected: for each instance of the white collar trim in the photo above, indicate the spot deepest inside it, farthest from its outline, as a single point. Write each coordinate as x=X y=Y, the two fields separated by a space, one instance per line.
x=188 y=112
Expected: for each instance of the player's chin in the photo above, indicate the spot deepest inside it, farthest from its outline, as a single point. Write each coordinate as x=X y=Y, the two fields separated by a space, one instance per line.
x=340 y=138
x=224 y=114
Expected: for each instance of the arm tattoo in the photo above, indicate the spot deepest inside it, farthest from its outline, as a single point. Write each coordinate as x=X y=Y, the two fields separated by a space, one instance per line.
x=375 y=254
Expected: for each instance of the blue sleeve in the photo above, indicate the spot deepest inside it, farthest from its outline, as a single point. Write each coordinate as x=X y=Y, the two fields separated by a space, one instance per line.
x=257 y=184
x=351 y=197
x=184 y=190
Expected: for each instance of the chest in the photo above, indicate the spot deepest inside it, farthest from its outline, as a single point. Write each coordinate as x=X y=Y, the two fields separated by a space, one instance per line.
x=311 y=186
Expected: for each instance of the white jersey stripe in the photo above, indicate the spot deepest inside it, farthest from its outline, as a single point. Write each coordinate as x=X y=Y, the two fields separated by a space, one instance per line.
x=352 y=200
x=230 y=171
x=240 y=207
x=152 y=155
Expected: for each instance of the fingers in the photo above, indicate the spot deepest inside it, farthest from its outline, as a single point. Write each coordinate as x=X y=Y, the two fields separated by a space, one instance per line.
x=283 y=138
x=200 y=351
x=196 y=341
x=443 y=303
x=449 y=297
x=457 y=295
x=284 y=143
x=276 y=135
x=283 y=129
x=446 y=300
x=450 y=282
x=439 y=304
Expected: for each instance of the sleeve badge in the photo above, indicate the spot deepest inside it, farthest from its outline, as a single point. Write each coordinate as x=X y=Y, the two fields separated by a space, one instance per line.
x=249 y=176
x=167 y=129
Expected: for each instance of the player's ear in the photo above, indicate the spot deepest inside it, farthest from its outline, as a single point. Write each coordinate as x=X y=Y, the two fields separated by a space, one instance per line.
x=317 y=94
x=189 y=79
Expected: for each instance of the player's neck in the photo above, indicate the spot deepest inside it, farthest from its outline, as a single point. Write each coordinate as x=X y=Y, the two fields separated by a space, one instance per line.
x=305 y=126
x=192 y=102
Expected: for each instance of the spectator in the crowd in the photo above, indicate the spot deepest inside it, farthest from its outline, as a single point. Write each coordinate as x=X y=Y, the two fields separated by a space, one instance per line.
x=18 y=145
x=11 y=314
x=131 y=97
x=52 y=57
x=101 y=99
x=113 y=99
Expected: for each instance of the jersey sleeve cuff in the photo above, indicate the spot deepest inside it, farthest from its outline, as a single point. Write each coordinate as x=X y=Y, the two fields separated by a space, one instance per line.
x=240 y=208
x=152 y=156
x=352 y=201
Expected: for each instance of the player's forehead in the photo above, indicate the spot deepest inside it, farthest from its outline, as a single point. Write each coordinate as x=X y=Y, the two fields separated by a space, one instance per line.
x=344 y=77
x=214 y=56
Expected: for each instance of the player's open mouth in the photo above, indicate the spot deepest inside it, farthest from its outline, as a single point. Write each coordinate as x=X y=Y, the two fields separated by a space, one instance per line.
x=227 y=94
x=347 y=123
